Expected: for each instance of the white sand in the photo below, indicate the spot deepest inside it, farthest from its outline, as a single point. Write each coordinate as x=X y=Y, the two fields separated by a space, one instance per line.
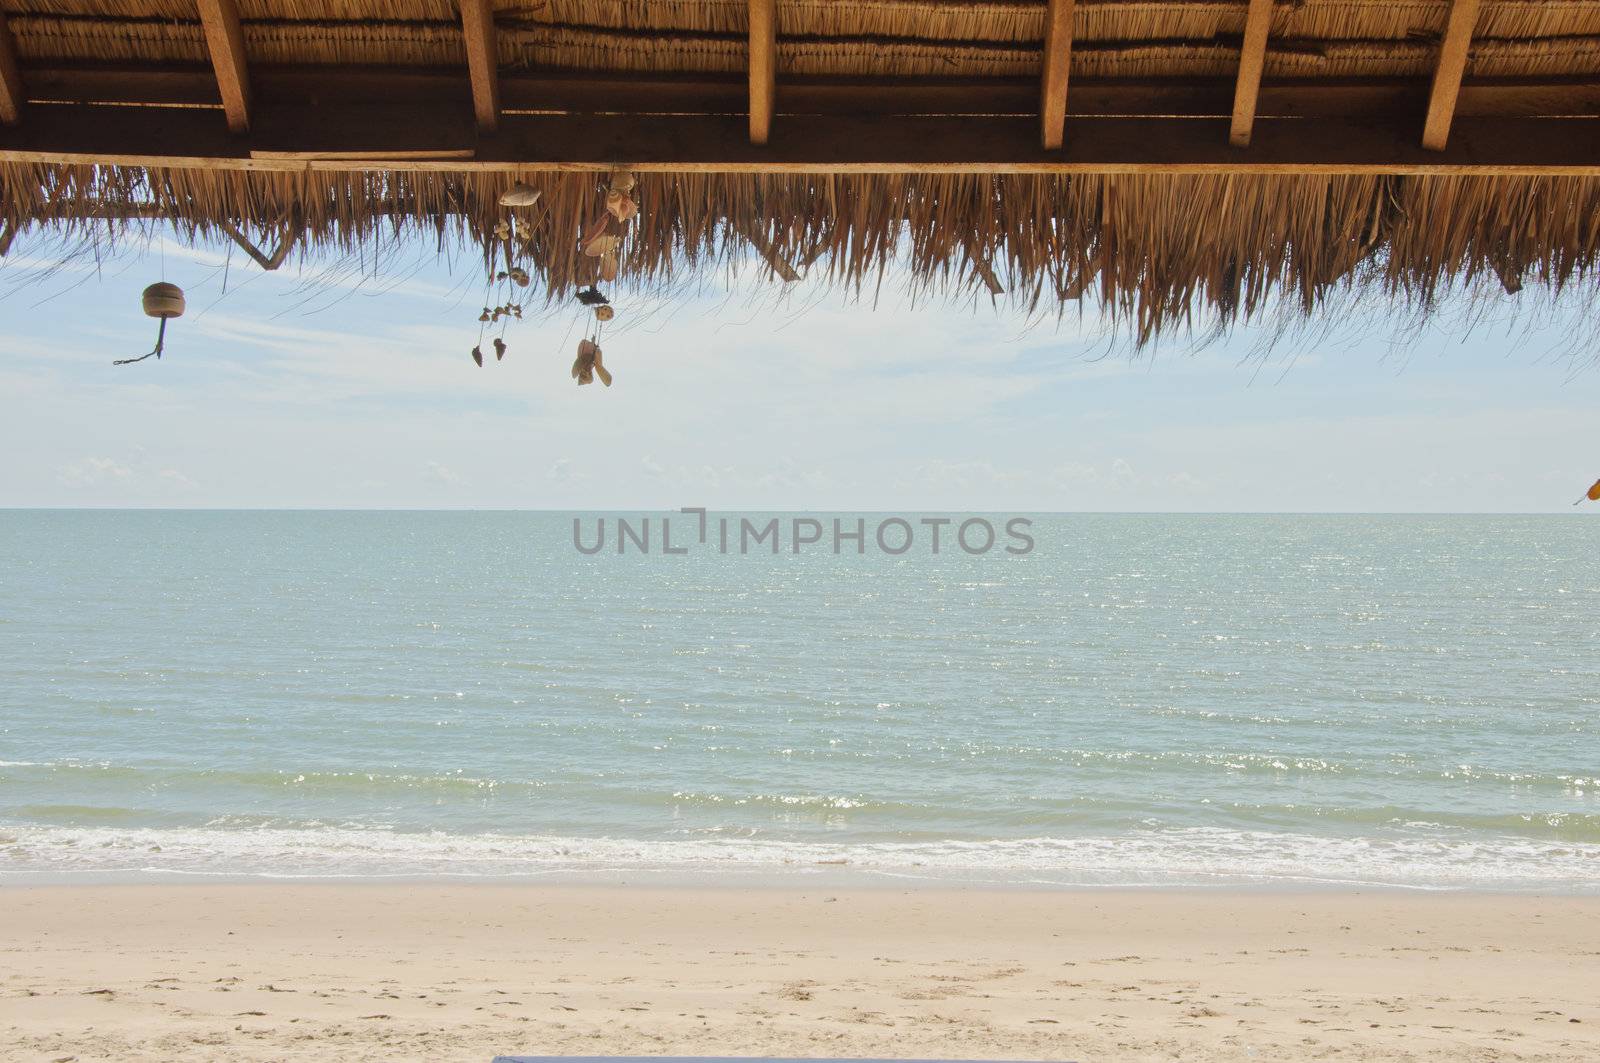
x=422 y=972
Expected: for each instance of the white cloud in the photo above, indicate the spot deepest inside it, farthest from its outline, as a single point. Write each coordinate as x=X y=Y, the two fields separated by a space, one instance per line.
x=437 y=472
x=91 y=472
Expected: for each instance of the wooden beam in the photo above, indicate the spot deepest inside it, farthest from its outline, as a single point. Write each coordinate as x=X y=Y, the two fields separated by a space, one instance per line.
x=441 y=137
x=557 y=93
x=1057 y=65
x=772 y=256
x=1252 y=59
x=11 y=91
x=286 y=241
x=225 y=42
x=1447 y=75
x=981 y=268
x=483 y=62
x=763 y=68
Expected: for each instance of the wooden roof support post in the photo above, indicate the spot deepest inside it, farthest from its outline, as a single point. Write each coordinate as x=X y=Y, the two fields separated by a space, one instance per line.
x=11 y=95
x=1447 y=75
x=225 y=42
x=1057 y=64
x=1257 y=23
x=763 y=67
x=483 y=62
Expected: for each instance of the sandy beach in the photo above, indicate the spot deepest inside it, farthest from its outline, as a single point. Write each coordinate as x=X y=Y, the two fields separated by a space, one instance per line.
x=390 y=972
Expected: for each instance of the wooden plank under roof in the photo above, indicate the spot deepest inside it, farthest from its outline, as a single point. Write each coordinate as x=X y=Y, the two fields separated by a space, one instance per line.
x=440 y=136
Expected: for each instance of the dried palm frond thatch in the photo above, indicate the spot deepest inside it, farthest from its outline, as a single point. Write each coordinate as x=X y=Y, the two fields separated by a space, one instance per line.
x=845 y=38
x=1155 y=252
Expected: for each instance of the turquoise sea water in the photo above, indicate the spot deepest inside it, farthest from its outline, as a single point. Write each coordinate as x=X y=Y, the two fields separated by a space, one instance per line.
x=1409 y=701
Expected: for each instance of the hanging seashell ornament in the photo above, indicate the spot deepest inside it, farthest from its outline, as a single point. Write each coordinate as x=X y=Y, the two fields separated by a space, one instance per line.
x=499 y=348
x=600 y=237
x=621 y=181
x=604 y=313
x=608 y=266
x=519 y=195
x=477 y=356
x=588 y=364
x=602 y=244
x=519 y=276
x=621 y=206
x=164 y=301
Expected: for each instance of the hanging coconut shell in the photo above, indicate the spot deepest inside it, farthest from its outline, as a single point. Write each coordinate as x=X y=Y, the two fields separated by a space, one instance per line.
x=609 y=266
x=604 y=313
x=519 y=195
x=163 y=300
x=622 y=181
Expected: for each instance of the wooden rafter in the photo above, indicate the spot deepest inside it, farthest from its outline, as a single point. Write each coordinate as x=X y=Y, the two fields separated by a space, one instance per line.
x=772 y=256
x=1057 y=66
x=225 y=42
x=981 y=267
x=11 y=94
x=483 y=62
x=763 y=68
x=1252 y=58
x=412 y=136
x=286 y=241
x=1448 y=73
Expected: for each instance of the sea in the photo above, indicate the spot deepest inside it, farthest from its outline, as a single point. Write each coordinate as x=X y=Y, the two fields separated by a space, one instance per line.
x=1163 y=701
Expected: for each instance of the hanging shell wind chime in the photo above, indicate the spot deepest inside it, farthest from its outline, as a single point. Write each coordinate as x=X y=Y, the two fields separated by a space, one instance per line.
x=1591 y=495
x=503 y=237
x=164 y=301
x=601 y=241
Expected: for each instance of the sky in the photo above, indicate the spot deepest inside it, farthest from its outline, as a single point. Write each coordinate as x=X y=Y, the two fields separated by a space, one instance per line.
x=324 y=386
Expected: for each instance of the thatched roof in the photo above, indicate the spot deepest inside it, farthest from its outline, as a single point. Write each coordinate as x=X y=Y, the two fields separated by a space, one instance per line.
x=947 y=38
x=1157 y=244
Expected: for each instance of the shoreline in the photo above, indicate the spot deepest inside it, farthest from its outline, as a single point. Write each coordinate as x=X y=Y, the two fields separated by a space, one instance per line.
x=379 y=971
x=721 y=881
